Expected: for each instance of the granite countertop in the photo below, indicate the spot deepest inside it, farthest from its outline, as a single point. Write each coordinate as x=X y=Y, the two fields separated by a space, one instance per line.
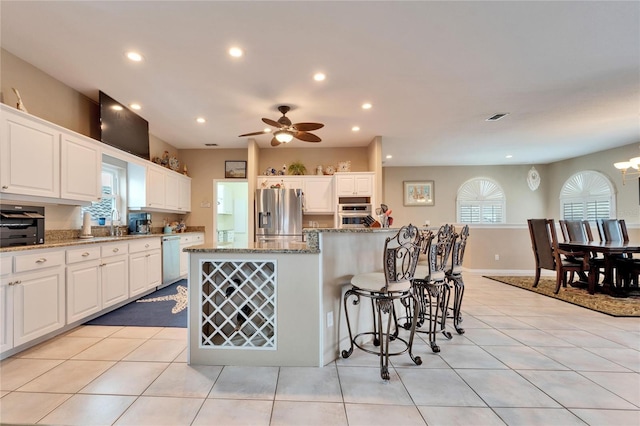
x=293 y=247
x=82 y=241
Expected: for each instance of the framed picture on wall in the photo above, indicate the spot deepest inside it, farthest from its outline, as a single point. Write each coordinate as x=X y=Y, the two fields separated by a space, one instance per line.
x=418 y=193
x=235 y=169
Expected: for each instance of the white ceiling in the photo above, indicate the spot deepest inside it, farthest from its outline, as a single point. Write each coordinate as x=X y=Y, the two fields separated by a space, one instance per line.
x=567 y=72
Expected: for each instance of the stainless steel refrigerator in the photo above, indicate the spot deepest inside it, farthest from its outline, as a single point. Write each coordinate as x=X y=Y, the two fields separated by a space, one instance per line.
x=279 y=214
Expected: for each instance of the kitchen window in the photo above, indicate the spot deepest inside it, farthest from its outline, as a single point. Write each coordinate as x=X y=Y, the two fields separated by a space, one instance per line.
x=113 y=193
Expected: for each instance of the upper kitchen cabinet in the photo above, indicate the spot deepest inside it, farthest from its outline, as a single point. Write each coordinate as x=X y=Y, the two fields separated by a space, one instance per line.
x=29 y=156
x=41 y=159
x=359 y=184
x=318 y=190
x=154 y=188
x=81 y=168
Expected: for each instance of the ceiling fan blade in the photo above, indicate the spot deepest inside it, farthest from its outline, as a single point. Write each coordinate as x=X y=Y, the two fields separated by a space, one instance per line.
x=253 y=134
x=306 y=127
x=274 y=142
x=271 y=122
x=307 y=137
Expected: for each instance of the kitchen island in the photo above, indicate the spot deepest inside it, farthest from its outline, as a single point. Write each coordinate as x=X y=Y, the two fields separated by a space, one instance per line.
x=277 y=303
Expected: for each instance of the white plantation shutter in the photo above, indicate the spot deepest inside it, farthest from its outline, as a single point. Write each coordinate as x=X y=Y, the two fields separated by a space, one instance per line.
x=480 y=200
x=587 y=195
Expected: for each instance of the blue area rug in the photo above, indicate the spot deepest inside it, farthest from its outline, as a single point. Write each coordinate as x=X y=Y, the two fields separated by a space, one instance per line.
x=166 y=307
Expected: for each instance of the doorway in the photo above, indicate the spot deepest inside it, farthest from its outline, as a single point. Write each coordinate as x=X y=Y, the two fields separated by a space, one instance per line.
x=231 y=218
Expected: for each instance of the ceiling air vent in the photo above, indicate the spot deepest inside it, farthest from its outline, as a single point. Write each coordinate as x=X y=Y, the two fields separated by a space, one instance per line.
x=210 y=144
x=497 y=117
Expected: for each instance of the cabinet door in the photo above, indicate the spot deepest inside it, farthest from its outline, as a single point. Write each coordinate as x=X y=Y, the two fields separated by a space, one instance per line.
x=137 y=273
x=6 y=313
x=171 y=186
x=154 y=268
x=318 y=195
x=184 y=191
x=114 y=277
x=155 y=188
x=29 y=156
x=363 y=185
x=39 y=304
x=80 y=166
x=345 y=185
x=83 y=290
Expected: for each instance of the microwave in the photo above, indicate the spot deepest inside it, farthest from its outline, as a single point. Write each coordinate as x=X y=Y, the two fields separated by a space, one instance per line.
x=353 y=215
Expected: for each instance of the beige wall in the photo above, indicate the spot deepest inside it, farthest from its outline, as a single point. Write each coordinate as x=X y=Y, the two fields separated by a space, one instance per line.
x=313 y=157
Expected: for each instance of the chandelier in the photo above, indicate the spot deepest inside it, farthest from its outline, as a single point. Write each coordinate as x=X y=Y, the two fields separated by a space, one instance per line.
x=624 y=166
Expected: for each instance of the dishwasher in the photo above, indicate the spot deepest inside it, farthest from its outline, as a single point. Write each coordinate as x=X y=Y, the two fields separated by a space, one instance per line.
x=170 y=259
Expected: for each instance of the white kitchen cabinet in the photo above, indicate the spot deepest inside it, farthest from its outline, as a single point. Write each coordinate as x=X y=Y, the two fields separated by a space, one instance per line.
x=114 y=273
x=172 y=191
x=154 y=188
x=145 y=265
x=83 y=282
x=188 y=241
x=81 y=168
x=184 y=194
x=354 y=184
x=6 y=303
x=38 y=295
x=318 y=195
x=29 y=155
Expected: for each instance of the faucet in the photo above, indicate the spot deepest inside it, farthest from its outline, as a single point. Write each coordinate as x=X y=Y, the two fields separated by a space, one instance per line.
x=114 y=216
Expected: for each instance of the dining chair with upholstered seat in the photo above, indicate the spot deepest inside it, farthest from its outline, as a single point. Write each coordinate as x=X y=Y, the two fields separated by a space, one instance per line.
x=548 y=254
x=384 y=288
x=580 y=231
x=611 y=230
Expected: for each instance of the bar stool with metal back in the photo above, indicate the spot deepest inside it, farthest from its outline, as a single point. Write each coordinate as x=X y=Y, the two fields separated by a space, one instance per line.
x=400 y=257
x=432 y=290
x=454 y=275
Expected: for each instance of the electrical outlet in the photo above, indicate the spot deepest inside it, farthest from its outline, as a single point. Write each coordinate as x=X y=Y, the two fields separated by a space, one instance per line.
x=497 y=257
x=329 y=319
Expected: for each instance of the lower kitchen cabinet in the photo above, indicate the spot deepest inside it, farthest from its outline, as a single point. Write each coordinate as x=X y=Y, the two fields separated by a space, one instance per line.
x=145 y=265
x=32 y=296
x=83 y=290
x=114 y=274
x=188 y=241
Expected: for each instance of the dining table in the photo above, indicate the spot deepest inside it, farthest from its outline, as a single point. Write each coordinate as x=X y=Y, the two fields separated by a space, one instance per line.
x=609 y=250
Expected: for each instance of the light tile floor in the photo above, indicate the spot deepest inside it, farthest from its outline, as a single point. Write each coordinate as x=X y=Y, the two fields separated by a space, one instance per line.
x=525 y=359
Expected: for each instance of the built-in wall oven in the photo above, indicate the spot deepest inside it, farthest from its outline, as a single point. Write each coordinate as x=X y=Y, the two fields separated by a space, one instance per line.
x=352 y=215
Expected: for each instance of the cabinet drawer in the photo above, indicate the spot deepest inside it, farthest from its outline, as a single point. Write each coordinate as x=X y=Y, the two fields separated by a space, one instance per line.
x=6 y=266
x=34 y=262
x=144 y=244
x=109 y=250
x=89 y=252
x=191 y=239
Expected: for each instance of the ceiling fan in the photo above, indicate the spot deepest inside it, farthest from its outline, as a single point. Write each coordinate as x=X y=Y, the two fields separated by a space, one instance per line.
x=287 y=131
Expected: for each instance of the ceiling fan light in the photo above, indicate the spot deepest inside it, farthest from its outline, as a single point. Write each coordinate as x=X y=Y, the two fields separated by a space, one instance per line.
x=283 y=136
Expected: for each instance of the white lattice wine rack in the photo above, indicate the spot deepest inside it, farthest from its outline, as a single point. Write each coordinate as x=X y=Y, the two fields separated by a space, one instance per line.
x=238 y=304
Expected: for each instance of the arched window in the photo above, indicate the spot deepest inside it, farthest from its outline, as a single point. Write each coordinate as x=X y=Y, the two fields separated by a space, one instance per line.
x=480 y=200
x=587 y=195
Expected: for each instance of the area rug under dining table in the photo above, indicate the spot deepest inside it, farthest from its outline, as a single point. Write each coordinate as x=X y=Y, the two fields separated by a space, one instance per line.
x=614 y=306
x=166 y=307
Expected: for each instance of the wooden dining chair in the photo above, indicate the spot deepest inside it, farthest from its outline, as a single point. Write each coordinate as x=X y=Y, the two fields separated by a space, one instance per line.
x=613 y=230
x=548 y=255
x=580 y=231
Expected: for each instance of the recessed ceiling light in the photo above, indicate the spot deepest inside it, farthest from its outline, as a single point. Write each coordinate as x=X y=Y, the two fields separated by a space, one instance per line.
x=319 y=76
x=201 y=120
x=236 y=52
x=496 y=117
x=134 y=56
x=355 y=129
x=389 y=157
x=135 y=106
x=366 y=105
x=117 y=108
x=508 y=156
